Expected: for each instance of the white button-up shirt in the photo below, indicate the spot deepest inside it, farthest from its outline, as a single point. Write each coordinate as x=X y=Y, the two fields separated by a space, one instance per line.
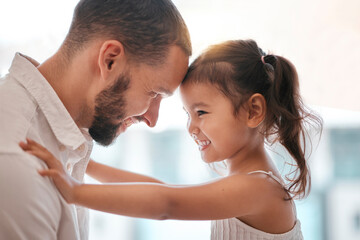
x=30 y=205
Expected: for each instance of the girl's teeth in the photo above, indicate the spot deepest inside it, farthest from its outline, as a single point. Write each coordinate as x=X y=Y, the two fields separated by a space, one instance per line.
x=203 y=142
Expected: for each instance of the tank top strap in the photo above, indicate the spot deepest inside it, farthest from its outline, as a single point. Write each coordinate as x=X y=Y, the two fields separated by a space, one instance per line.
x=270 y=174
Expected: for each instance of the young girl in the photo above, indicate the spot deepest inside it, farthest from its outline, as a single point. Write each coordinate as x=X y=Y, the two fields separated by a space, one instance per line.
x=237 y=99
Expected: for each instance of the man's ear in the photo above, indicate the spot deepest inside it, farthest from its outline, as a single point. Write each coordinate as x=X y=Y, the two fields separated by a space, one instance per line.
x=111 y=56
x=256 y=106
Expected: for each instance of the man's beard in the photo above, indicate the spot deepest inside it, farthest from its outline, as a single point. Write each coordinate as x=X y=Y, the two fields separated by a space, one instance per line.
x=110 y=107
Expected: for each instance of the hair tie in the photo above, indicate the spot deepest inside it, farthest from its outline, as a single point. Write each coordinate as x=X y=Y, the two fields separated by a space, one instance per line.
x=263 y=59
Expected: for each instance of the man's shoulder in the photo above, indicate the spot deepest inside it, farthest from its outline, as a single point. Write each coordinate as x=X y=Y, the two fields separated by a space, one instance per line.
x=13 y=94
x=17 y=111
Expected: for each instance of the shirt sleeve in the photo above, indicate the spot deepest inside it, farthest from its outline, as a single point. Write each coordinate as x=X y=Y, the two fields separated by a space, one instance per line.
x=30 y=205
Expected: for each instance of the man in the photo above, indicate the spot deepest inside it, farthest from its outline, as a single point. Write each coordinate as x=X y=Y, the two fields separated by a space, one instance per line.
x=119 y=59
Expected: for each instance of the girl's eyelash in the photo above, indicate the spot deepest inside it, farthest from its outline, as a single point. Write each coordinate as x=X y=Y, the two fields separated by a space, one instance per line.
x=200 y=112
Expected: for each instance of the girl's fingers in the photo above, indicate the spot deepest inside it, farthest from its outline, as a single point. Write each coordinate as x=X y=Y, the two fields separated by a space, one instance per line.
x=49 y=173
x=28 y=145
x=35 y=144
x=40 y=155
x=24 y=146
x=31 y=144
x=39 y=151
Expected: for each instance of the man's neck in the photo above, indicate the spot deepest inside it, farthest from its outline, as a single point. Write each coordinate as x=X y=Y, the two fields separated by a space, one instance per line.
x=69 y=85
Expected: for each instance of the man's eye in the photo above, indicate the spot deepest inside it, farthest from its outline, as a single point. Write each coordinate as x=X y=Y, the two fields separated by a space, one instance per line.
x=200 y=112
x=153 y=94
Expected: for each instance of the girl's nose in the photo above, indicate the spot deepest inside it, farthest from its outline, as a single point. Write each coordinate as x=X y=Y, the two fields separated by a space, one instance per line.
x=193 y=129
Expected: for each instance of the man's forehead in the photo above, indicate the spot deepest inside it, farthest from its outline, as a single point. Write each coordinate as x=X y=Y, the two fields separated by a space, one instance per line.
x=168 y=76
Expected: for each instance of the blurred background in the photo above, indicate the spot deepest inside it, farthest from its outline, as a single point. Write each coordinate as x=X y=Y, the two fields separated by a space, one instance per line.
x=320 y=37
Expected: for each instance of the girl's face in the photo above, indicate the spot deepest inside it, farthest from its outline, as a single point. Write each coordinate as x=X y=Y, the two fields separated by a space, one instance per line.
x=219 y=134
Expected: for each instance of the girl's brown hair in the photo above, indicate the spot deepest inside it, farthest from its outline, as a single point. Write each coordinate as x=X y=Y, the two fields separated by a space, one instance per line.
x=239 y=68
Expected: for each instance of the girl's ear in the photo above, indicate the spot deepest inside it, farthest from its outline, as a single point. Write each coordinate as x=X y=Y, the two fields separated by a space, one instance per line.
x=111 y=55
x=256 y=106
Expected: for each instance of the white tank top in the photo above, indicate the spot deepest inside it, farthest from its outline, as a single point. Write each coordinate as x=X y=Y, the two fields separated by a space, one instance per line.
x=234 y=229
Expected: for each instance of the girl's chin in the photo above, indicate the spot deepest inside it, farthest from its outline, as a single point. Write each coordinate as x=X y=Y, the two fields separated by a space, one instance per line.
x=206 y=159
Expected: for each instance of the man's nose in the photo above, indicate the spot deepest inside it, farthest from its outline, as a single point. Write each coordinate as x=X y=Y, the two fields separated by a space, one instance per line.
x=150 y=117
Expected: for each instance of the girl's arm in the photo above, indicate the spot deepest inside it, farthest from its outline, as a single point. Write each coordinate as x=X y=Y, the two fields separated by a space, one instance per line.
x=215 y=200
x=225 y=198
x=107 y=174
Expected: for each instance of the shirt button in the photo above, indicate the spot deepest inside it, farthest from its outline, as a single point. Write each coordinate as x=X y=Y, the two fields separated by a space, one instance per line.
x=68 y=166
x=81 y=148
x=62 y=147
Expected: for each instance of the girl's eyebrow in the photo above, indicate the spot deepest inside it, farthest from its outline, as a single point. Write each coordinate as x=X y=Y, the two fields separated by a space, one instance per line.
x=196 y=105
x=199 y=104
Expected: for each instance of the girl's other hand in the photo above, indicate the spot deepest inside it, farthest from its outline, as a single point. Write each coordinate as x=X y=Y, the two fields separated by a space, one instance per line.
x=63 y=181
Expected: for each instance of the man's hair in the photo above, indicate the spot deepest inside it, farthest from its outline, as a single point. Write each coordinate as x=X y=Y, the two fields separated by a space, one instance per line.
x=146 y=28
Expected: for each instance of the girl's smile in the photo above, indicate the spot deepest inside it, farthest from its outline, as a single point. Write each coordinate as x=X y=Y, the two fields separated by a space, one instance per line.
x=218 y=133
x=203 y=144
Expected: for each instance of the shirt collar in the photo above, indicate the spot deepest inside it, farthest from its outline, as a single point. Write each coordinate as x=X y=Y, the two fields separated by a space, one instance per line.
x=24 y=69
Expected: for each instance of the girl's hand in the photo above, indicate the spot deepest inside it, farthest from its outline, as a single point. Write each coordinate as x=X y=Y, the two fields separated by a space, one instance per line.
x=63 y=181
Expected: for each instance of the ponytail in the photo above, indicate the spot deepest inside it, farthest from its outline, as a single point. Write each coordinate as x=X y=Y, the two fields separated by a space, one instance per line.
x=286 y=118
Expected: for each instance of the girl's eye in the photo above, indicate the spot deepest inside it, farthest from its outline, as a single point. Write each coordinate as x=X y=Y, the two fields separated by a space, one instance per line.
x=200 y=112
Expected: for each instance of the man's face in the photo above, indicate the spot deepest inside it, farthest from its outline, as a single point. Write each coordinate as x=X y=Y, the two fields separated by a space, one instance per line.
x=136 y=95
